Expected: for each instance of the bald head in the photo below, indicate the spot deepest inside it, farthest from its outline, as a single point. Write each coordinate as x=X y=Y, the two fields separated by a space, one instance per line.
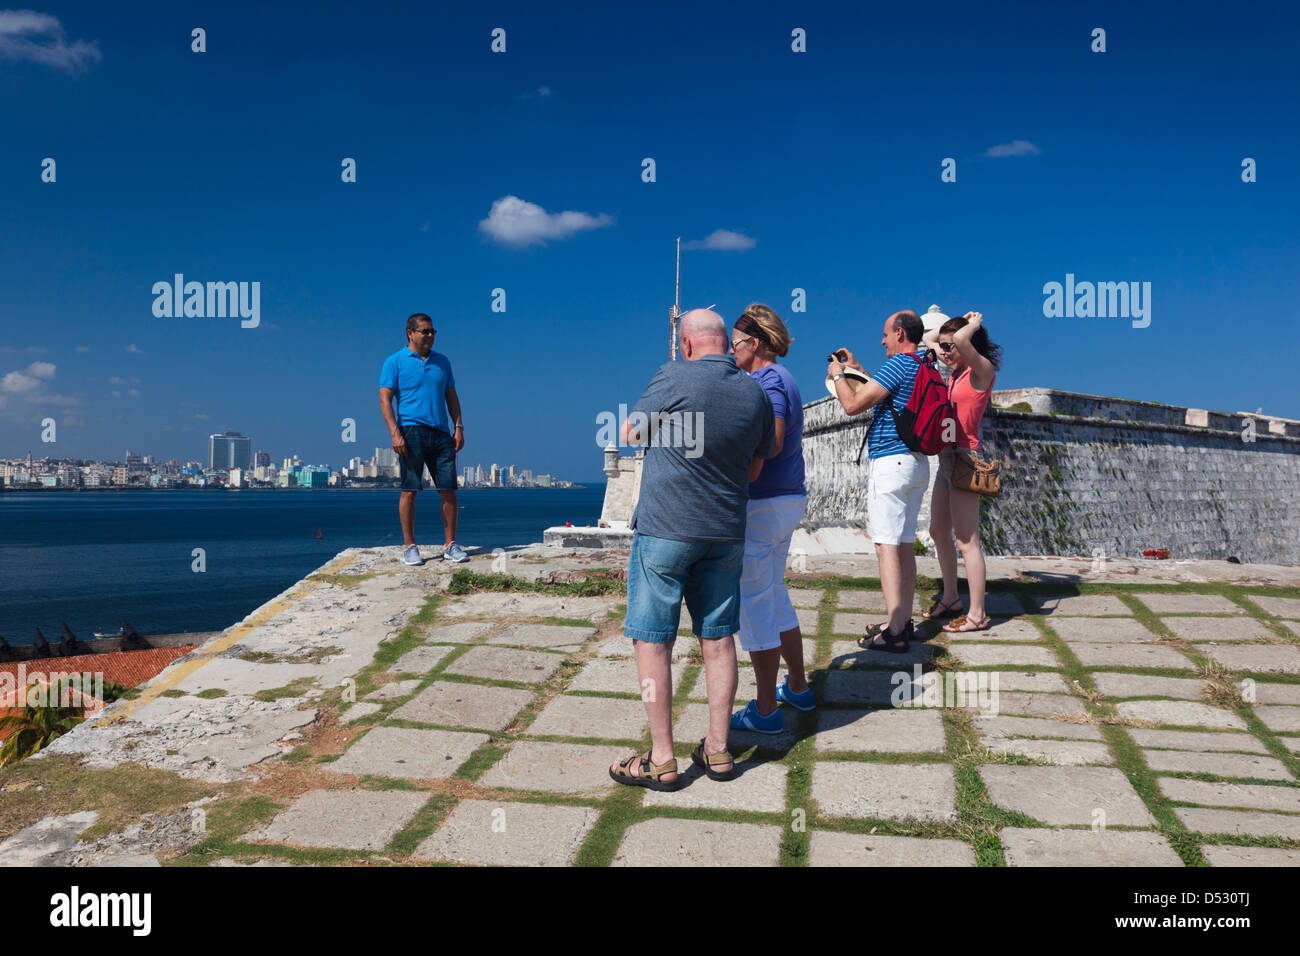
x=703 y=333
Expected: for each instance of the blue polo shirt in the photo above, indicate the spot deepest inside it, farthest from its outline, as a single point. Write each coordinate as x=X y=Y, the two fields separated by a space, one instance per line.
x=421 y=387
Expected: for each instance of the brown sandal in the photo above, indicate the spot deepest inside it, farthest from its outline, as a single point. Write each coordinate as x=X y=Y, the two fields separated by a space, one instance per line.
x=648 y=774
x=964 y=625
x=706 y=761
x=940 y=610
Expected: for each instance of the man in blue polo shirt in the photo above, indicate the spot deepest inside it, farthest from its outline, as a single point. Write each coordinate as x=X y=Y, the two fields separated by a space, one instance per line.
x=426 y=429
x=899 y=476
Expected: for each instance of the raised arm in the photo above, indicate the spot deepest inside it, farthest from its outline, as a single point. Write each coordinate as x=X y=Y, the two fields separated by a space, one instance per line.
x=981 y=369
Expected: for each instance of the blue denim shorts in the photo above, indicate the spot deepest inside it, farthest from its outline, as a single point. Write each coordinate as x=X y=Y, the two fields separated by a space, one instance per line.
x=432 y=447
x=660 y=572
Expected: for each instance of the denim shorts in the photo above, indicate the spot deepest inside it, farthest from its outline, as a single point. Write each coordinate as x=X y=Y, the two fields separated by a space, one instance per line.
x=432 y=447
x=660 y=572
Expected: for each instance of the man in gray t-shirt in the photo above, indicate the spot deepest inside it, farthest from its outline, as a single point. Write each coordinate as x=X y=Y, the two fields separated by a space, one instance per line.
x=705 y=424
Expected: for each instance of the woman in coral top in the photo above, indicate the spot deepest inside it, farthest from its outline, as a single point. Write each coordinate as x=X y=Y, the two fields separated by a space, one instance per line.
x=964 y=346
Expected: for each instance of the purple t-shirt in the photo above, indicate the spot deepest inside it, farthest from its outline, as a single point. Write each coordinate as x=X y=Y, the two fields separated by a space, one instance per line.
x=782 y=475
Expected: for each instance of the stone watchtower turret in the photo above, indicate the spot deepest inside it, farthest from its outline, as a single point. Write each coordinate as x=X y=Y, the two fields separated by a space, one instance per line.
x=932 y=320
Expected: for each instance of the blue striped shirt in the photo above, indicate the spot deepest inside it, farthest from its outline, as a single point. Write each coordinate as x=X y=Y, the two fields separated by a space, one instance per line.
x=898 y=374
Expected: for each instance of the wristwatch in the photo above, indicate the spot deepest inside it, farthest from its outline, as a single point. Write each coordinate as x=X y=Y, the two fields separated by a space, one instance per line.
x=836 y=378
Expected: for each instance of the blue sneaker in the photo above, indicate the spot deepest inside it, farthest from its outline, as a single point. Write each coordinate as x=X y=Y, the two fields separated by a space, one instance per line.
x=749 y=719
x=454 y=552
x=412 y=555
x=804 y=701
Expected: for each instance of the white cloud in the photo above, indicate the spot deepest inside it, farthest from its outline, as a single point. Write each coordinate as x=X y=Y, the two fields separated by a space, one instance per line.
x=134 y=393
x=83 y=348
x=1019 y=147
x=28 y=379
x=723 y=239
x=134 y=349
x=118 y=380
x=541 y=93
x=26 y=35
x=514 y=222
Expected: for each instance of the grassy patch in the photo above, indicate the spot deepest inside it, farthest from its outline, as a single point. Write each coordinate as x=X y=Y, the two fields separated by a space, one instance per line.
x=343 y=580
x=212 y=692
x=297 y=687
x=598 y=582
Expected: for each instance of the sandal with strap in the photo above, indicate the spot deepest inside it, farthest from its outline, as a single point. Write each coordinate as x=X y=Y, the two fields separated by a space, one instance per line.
x=872 y=632
x=648 y=774
x=965 y=625
x=706 y=761
x=941 y=610
x=893 y=643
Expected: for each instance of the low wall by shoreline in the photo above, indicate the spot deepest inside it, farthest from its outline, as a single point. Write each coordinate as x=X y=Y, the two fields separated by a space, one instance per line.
x=1074 y=484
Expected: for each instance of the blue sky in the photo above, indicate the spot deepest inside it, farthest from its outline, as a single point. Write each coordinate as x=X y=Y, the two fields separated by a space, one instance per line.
x=225 y=166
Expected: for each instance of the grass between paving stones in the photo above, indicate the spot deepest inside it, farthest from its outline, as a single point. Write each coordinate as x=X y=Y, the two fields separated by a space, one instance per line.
x=316 y=656
x=597 y=584
x=344 y=579
x=225 y=822
x=212 y=693
x=297 y=687
x=174 y=692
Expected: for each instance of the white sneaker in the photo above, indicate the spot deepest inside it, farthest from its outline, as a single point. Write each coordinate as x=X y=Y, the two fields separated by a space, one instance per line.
x=454 y=552
x=412 y=555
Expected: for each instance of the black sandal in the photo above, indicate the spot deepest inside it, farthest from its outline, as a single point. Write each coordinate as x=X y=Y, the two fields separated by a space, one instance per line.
x=890 y=644
x=872 y=632
x=706 y=761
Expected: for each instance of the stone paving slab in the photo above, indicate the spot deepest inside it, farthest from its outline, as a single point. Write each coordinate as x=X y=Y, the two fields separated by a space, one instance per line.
x=1039 y=682
x=889 y=791
x=891 y=731
x=1292 y=742
x=848 y=654
x=1129 y=655
x=1256 y=796
x=236 y=676
x=1280 y=718
x=344 y=819
x=360 y=709
x=999 y=629
x=1064 y=796
x=1277 y=606
x=1067 y=605
x=1101 y=630
x=1180 y=712
x=543 y=635
x=555 y=767
x=1062 y=753
x=1016 y=655
x=394 y=690
x=612 y=717
x=693 y=723
x=465 y=705
x=1266 y=693
x=1217 y=629
x=617 y=675
x=1239 y=823
x=1219 y=764
x=1001 y=604
x=873 y=600
x=1192 y=740
x=866 y=687
x=511 y=603
x=759 y=787
x=1026 y=846
x=1147 y=685
x=674 y=842
x=828 y=848
x=421 y=660
x=993 y=727
x=1037 y=705
x=1179 y=603
x=498 y=833
x=854 y=624
x=408 y=753
x=1226 y=855
x=806 y=597
x=746 y=687
x=1265 y=658
x=807 y=619
x=506 y=663
x=462 y=632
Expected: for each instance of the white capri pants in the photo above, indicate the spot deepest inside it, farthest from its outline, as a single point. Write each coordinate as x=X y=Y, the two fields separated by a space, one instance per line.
x=765 y=608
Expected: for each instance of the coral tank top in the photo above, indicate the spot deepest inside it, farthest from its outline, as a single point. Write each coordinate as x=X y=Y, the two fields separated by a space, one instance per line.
x=970 y=406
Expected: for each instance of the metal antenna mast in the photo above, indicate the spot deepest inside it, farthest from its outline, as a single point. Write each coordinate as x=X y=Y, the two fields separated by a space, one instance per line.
x=676 y=311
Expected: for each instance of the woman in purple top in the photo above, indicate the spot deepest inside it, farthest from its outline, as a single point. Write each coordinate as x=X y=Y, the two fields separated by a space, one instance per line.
x=769 y=627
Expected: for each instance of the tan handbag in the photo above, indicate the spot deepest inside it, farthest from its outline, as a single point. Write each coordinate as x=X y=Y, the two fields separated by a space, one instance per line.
x=974 y=474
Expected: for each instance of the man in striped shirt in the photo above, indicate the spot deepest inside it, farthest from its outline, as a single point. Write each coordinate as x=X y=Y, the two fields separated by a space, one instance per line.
x=898 y=476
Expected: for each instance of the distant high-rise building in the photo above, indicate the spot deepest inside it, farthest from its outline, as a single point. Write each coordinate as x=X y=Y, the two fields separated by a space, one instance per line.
x=385 y=457
x=469 y=476
x=527 y=476
x=263 y=459
x=478 y=474
x=291 y=463
x=495 y=476
x=229 y=450
x=134 y=463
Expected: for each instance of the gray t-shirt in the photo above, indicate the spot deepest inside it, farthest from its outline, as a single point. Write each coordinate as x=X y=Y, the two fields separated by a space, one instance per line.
x=707 y=420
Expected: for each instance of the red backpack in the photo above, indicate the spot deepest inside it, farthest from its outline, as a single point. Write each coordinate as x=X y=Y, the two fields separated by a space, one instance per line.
x=921 y=424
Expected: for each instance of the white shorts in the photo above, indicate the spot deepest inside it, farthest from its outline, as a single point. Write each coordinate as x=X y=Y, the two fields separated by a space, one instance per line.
x=898 y=484
x=765 y=608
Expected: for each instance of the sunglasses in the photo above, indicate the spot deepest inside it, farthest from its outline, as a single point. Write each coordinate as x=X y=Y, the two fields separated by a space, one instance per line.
x=426 y=331
x=947 y=346
x=738 y=343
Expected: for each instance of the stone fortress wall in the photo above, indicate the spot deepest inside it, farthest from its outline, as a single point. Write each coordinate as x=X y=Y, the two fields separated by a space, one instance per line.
x=1089 y=475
